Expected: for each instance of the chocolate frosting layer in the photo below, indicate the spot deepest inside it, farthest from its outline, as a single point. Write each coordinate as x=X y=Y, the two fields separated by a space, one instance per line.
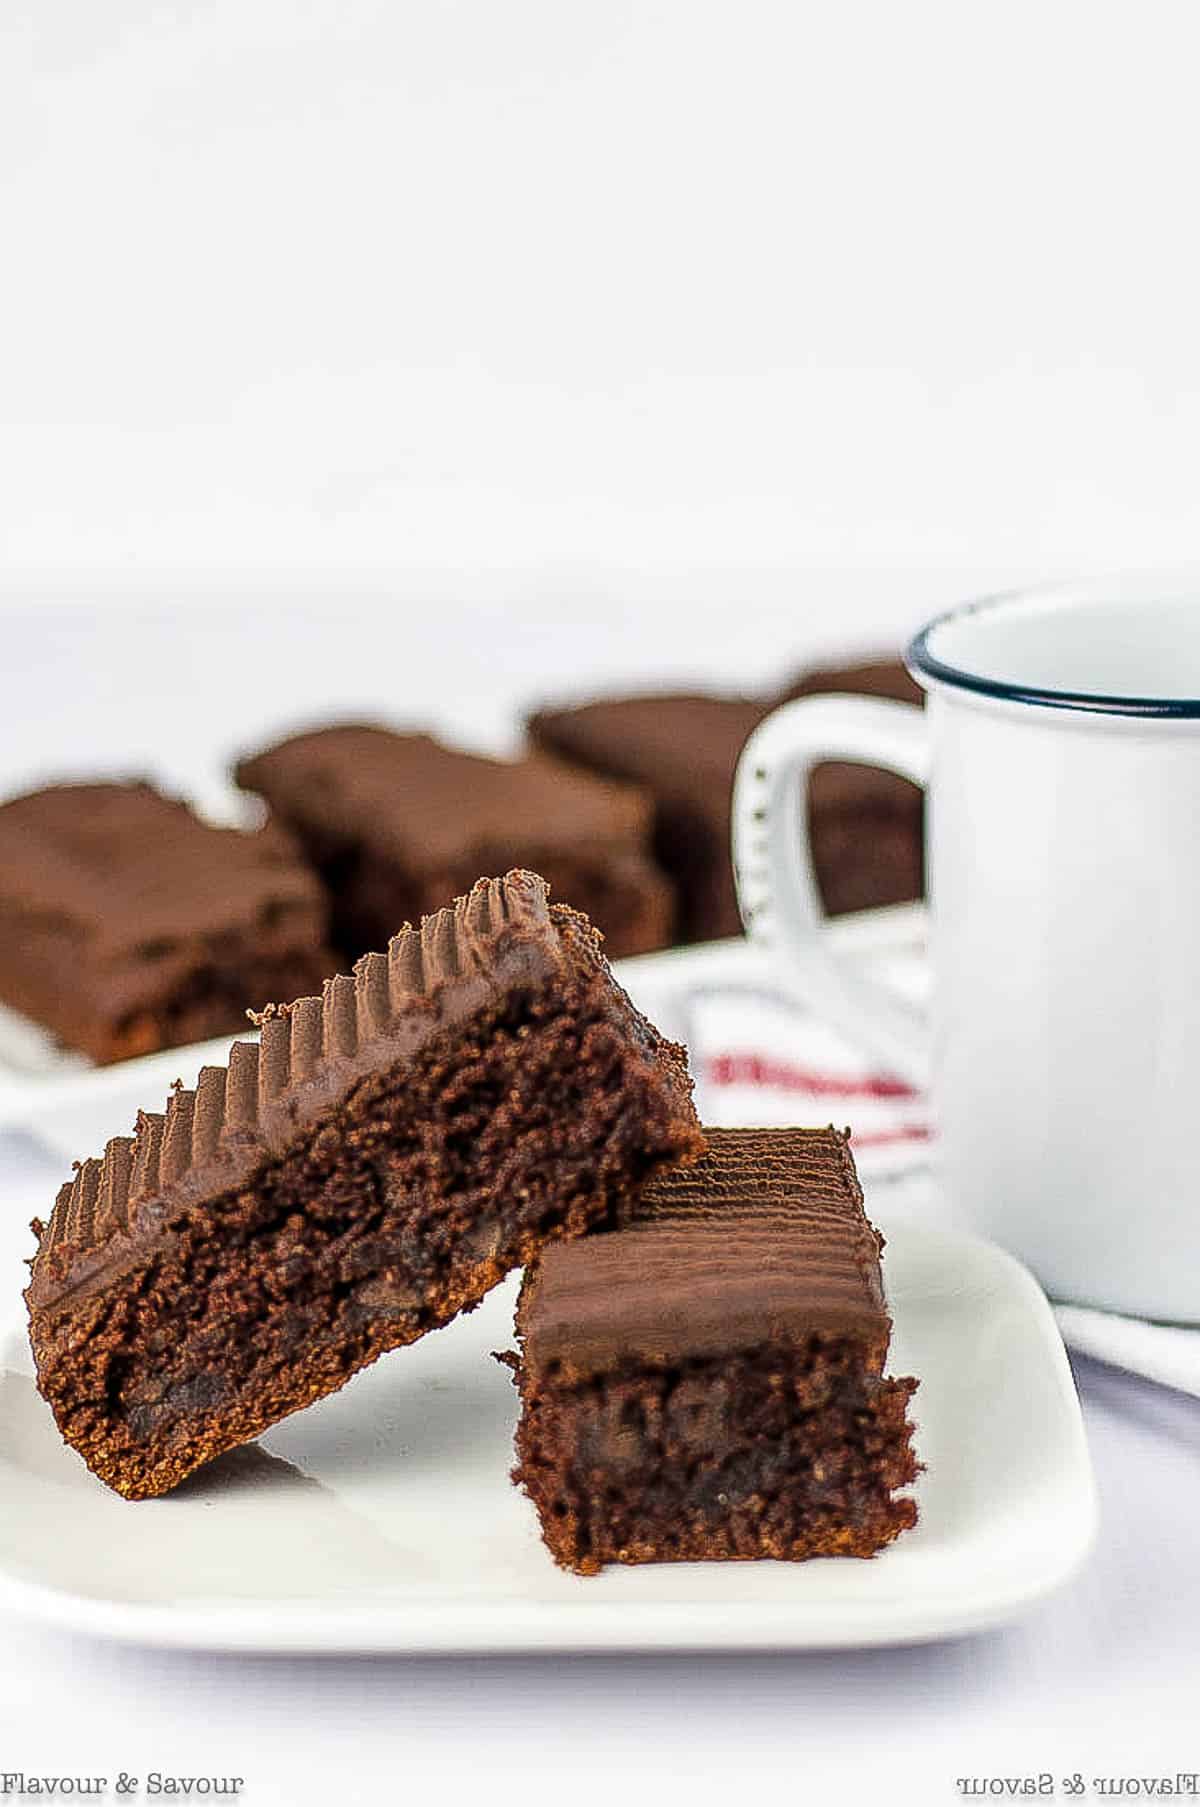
x=765 y=1238
x=212 y=1140
x=677 y=743
x=869 y=677
x=686 y=748
x=430 y=804
x=125 y=867
x=127 y=923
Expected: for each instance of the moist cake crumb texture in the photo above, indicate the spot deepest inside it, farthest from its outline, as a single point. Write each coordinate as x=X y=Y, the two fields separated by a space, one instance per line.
x=708 y=1382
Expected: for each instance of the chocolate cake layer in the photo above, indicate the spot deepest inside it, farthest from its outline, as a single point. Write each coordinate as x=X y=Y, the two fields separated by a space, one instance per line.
x=387 y=1154
x=707 y=1382
x=398 y=824
x=127 y=924
x=683 y=750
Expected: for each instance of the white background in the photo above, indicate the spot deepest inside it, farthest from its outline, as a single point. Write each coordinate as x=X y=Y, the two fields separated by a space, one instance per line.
x=775 y=325
x=684 y=283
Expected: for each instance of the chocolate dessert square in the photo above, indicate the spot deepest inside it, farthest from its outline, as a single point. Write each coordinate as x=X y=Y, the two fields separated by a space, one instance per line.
x=707 y=1383
x=868 y=677
x=384 y=1156
x=398 y=824
x=867 y=826
x=127 y=924
x=684 y=751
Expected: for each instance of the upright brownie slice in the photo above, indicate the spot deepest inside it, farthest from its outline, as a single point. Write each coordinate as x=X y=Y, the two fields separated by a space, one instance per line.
x=385 y=1156
x=128 y=924
x=683 y=750
x=708 y=1383
x=398 y=824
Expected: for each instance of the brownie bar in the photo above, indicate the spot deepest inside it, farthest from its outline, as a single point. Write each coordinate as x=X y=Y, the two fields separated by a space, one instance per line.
x=867 y=826
x=384 y=1156
x=870 y=677
x=684 y=751
x=398 y=824
x=707 y=1383
x=127 y=924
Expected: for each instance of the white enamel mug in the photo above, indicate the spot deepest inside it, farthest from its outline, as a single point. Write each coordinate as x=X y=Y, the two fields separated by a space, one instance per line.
x=1061 y=753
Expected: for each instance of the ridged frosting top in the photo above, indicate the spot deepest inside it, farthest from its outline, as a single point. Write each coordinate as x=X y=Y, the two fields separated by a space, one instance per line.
x=209 y=1140
x=765 y=1238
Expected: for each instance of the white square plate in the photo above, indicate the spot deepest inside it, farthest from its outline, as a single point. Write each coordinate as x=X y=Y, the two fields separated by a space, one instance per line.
x=383 y=1519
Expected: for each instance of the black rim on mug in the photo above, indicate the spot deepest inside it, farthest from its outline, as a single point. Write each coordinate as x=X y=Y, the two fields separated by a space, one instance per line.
x=923 y=661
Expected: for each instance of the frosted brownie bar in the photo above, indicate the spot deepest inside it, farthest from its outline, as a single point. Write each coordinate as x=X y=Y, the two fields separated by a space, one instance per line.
x=707 y=1383
x=127 y=924
x=398 y=824
x=386 y=1155
x=683 y=750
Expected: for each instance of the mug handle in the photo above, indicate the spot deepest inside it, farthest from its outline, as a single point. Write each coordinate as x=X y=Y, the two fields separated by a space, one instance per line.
x=773 y=865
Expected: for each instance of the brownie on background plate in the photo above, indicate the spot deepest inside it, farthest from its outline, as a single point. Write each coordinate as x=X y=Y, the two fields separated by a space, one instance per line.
x=867 y=825
x=888 y=678
x=388 y=1153
x=398 y=824
x=683 y=750
x=707 y=1384
x=127 y=924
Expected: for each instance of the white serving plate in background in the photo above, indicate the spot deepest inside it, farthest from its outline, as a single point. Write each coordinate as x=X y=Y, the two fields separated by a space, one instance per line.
x=383 y=1518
